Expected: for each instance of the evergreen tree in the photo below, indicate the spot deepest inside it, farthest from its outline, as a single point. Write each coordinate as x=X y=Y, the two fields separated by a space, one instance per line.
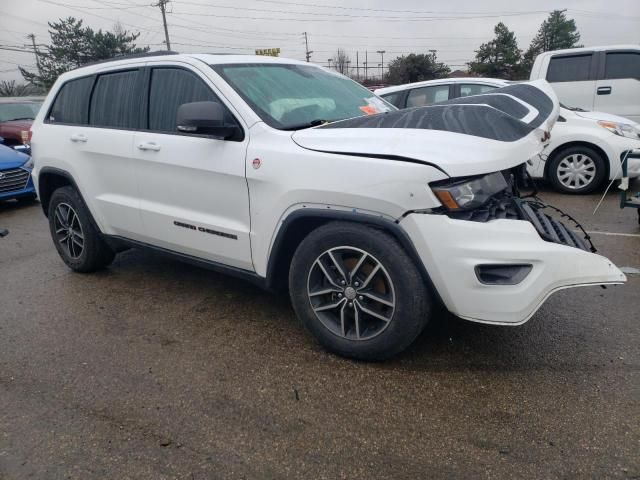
x=499 y=58
x=416 y=67
x=73 y=45
x=555 y=33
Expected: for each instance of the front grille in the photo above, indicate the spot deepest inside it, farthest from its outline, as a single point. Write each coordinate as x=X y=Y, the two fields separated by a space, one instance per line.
x=14 y=179
x=506 y=205
x=550 y=229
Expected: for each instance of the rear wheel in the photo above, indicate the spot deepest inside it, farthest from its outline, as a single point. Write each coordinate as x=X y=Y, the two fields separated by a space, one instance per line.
x=358 y=292
x=76 y=239
x=577 y=170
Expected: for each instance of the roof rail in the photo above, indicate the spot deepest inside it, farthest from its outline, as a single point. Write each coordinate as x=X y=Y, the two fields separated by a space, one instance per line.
x=133 y=55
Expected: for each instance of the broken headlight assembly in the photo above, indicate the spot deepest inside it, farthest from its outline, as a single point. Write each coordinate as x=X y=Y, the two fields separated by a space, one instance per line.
x=468 y=193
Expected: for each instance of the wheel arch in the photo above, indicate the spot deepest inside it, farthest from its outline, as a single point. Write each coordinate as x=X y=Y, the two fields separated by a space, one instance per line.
x=298 y=224
x=578 y=143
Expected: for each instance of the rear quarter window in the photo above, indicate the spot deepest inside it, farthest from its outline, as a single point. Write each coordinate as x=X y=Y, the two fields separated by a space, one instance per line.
x=394 y=98
x=71 y=105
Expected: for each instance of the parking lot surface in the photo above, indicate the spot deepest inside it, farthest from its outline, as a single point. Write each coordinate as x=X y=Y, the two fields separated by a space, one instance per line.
x=157 y=369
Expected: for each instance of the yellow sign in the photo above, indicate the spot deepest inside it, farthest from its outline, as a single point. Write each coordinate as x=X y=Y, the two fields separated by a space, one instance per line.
x=268 y=52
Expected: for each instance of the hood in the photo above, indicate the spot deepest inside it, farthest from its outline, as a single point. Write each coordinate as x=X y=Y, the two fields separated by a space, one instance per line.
x=9 y=158
x=17 y=124
x=607 y=117
x=464 y=136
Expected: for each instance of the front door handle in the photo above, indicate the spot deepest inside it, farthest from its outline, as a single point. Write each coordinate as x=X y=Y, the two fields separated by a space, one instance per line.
x=149 y=146
x=78 y=138
x=604 y=90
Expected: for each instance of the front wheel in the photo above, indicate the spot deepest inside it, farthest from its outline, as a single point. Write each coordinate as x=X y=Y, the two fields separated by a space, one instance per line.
x=76 y=239
x=577 y=170
x=358 y=292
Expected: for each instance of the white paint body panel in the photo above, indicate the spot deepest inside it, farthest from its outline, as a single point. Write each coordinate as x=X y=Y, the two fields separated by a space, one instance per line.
x=140 y=194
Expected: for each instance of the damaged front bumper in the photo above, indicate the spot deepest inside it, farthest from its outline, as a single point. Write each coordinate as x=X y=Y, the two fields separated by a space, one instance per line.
x=500 y=266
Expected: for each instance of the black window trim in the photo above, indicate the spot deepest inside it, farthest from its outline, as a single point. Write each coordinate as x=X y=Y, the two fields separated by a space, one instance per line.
x=147 y=97
x=593 y=69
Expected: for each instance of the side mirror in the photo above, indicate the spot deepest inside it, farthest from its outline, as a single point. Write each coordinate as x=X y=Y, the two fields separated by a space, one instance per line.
x=205 y=118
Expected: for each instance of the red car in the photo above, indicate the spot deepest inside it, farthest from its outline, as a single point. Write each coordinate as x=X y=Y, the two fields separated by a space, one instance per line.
x=16 y=116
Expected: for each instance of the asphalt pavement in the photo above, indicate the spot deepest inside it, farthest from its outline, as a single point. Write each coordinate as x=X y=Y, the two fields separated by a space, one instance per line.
x=154 y=369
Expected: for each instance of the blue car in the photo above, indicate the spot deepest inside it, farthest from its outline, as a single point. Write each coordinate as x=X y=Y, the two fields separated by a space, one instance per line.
x=15 y=175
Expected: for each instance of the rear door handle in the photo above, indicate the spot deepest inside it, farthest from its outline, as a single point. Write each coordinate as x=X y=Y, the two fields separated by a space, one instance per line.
x=604 y=90
x=78 y=137
x=149 y=146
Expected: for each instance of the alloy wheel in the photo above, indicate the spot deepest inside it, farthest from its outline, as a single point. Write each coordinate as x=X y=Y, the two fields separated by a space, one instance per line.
x=69 y=230
x=576 y=171
x=351 y=293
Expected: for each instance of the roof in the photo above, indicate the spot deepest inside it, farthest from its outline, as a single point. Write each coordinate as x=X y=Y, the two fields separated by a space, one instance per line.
x=443 y=81
x=593 y=49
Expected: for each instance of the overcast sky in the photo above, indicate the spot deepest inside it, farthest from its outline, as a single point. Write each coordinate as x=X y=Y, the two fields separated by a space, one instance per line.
x=455 y=28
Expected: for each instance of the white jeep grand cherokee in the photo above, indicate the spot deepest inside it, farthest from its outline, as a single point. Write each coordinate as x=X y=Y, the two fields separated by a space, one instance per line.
x=295 y=177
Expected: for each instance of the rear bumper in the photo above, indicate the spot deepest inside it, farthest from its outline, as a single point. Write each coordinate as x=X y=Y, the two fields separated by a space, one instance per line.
x=452 y=249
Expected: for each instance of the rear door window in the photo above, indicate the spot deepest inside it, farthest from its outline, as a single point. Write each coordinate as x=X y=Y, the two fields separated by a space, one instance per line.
x=467 y=89
x=116 y=100
x=622 y=65
x=419 y=97
x=71 y=105
x=570 y=68
x=170 y=88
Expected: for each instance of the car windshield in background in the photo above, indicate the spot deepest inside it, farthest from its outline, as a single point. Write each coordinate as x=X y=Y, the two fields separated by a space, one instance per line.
x=18 y=111
x=292 y=97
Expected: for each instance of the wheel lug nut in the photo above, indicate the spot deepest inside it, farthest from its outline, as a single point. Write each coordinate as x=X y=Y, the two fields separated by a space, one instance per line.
x=342 y=282
x=360 y=298
x=339 y=295
x=357 y=284
x=351 y=304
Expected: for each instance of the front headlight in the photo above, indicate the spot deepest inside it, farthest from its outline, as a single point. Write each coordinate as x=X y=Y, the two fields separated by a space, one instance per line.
x=28 y=164
x=467 y=194
x=621 y=129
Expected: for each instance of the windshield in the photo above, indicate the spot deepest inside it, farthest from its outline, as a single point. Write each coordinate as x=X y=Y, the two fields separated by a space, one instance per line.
x=18 y=111
x=291 y=97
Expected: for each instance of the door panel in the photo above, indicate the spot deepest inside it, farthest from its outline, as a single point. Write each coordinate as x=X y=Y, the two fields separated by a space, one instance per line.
x=193 y=192
x=618 y=88
x=572 y=77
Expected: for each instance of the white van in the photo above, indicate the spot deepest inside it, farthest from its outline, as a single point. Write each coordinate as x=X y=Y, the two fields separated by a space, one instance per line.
x=604 y=79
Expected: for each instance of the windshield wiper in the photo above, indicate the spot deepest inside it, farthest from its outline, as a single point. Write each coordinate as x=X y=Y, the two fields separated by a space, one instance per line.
x=312 y=123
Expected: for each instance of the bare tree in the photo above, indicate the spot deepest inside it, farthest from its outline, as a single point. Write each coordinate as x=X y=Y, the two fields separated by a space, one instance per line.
x=13 y=89
x=341 y=62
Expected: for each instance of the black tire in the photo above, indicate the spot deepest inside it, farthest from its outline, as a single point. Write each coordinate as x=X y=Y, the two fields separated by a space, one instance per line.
x=411 y=297
x=94 y=254
x=577 y=152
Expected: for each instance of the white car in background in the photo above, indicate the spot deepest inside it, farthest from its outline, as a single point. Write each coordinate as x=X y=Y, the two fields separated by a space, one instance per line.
x=586 y=148
x=605 y=78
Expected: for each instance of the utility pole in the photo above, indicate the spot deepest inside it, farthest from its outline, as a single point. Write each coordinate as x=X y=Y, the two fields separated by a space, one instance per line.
x=330 y=60
x=358 y=65
x=306 y=46
x=32 y=37
x=366 y=65
x=163 y=8
x=382 y=52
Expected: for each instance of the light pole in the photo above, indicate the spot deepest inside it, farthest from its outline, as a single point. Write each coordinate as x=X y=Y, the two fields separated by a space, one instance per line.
x=330 y=60
x=382 y=52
